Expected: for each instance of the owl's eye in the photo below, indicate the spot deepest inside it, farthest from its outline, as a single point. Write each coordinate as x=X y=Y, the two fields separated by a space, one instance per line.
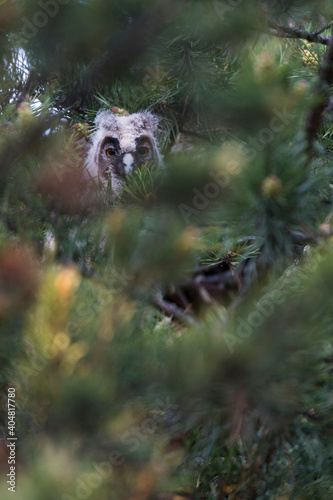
x=143 y=151
x=110 y=152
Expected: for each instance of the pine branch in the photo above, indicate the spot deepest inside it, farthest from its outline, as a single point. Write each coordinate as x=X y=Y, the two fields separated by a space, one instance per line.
x=125 y=51
x=288 y=32
x=173 y=310
x=314 y=118
x=300 y=238
x=16 y=148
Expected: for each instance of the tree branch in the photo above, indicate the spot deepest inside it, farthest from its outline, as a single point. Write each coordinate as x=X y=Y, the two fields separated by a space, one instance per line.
x=15 y=146
x=314 y=118
x=289 y=32
x=175 y=311
x=126 y=50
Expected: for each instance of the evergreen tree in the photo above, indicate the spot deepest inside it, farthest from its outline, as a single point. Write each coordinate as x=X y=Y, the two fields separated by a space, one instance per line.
x=174 y=341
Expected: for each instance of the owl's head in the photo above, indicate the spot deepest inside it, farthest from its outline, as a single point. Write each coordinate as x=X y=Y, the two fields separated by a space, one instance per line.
x=122 y=144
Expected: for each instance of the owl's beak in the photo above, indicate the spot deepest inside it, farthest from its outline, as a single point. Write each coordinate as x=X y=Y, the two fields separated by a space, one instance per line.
x=128 y=163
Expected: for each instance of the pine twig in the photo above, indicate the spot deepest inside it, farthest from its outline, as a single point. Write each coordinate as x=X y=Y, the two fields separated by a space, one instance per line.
x=173 y=310
x=329 y=25
x=288 y=32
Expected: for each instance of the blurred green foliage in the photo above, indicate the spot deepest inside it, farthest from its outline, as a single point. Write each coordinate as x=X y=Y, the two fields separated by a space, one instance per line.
x=230 y=396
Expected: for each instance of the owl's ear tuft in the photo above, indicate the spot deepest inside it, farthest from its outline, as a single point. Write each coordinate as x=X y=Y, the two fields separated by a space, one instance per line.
x=106 y=119
x=149 y=121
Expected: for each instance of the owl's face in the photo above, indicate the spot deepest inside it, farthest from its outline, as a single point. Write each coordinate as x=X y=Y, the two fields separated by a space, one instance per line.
x=119 y=158
x=122 y=144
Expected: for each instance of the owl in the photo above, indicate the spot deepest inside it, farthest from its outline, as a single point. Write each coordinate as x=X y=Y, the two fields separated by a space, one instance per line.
x=120 y=145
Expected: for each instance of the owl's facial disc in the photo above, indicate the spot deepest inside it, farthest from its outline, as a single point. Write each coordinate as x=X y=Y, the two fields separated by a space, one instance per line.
x=119 y=158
